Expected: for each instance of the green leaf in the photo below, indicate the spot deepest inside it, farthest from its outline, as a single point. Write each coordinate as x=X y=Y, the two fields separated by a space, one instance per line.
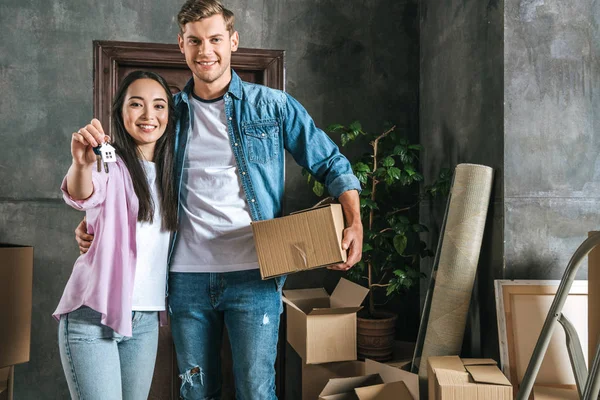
x=334 y=128
x=416 y=147
x=388 y=162
x=345 y=138
x=368 y=203
x=355 y=126
x=362 y=177
x=361 y=167
x=403 y=219
x=400 y=242
x=366 y=247
x=400 y=274
x=394 y=172
x=410 y=170
x=380 y=172
x=318 y=188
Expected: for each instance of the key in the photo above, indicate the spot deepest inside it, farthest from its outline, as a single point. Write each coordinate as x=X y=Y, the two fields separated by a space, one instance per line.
x=98 y=158
x=105 y=153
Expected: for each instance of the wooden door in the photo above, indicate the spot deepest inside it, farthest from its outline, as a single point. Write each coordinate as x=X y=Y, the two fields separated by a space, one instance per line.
x=112 y=62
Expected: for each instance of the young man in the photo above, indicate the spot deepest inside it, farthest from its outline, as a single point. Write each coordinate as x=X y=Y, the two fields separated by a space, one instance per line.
x=229 y=171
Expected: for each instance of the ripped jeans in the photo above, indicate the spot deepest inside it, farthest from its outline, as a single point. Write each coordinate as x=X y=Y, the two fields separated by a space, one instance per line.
x=200 y=304
x=99 y=363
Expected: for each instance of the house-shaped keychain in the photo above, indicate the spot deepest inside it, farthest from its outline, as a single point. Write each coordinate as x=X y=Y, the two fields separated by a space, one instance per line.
x=108 y=153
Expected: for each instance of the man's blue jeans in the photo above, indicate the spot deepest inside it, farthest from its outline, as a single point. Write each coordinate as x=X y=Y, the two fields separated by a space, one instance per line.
x=99 y=363
x=200 y=305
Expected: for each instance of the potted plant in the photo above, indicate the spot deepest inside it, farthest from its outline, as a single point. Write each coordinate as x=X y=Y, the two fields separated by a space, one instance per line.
x=392 y=247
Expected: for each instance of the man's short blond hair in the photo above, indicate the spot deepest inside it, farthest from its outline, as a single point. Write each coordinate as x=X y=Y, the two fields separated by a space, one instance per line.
x=195 y=10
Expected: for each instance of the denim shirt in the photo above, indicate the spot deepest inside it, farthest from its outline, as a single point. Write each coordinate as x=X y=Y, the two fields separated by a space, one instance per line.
x=262 y=123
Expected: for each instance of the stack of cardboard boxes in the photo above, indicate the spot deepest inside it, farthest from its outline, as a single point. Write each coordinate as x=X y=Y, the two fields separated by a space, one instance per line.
x=321 y=328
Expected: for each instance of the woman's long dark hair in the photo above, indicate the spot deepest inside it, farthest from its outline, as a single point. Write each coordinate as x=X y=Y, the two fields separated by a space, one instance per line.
x=163 y=156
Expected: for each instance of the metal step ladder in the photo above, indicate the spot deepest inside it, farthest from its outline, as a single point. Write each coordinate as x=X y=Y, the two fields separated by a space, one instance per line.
x=588 y=385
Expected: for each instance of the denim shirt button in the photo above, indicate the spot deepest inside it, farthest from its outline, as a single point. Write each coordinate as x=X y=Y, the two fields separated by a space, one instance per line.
x=230 y=118
x=243 y=172
x=252 y=200
x=235 y=144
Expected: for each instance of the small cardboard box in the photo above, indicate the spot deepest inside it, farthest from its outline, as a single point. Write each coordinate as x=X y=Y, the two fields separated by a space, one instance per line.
x=314 y=376
x=451 y=377
x=322 y=328
x=380 y=382
x=16 y=272
x=304 y=240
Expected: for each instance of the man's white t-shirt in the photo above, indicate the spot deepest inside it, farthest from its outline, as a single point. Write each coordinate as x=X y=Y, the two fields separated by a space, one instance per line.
x=214 y=231
x=152 y=243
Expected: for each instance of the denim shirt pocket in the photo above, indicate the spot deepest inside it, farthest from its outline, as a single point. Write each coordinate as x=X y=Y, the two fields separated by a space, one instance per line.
x=262 y=140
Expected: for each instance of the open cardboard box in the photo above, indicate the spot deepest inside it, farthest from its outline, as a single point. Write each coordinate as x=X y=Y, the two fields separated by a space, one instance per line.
x=305 y=240
x=16 y=273
x=368 y=387
x=380 y=382
x=451 y=377
x=316 y=376
x=322 y=328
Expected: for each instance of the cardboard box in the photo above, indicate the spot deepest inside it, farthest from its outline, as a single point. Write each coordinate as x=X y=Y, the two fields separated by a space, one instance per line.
x=304 y=240
x=16 y=272
x=316 y=376
x=7 y=382
x=380 y=382
x=451 y=377
x=322 y=328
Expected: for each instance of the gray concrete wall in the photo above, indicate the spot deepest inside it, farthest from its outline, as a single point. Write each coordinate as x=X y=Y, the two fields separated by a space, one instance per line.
x=345 y=61
x=460 y=113
x=540 y=59
x=552 y=145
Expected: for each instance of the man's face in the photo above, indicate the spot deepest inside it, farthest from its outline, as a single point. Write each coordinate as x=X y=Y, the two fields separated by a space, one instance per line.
x=207 y=46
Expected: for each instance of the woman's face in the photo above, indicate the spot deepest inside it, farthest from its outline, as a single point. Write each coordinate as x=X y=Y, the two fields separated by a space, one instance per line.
x=145 y=113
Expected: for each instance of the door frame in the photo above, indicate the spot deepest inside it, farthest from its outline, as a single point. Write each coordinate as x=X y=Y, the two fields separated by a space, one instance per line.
x=110 y=55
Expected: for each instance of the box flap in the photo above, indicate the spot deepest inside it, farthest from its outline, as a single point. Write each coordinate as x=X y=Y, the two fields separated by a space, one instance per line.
x=315 y=207
x=291 y=303
x=342 y=396
x=330 y=311
x=390 y=373
x=385 y=391
x=348 y=294
x=451 y=377
x=453 y=363
x=487 y=374
x=478 y=361
x=345 y=385
x=306 y=299
x=304 y=294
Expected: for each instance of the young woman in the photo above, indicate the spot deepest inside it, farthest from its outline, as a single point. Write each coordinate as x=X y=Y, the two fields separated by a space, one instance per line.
x=109 y=311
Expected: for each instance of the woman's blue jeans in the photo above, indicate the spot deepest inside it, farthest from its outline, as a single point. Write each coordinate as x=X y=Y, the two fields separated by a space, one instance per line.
x=200 y=304
x=100 y=364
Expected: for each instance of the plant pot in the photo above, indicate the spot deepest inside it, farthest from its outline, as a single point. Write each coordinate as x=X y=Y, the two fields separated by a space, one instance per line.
x=375 y=336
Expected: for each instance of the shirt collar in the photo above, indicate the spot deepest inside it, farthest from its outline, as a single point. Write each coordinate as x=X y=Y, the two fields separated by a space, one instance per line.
x=235 y=87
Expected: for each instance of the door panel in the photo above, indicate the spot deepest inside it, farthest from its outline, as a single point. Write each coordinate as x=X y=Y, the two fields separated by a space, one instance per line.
x=112 y=62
